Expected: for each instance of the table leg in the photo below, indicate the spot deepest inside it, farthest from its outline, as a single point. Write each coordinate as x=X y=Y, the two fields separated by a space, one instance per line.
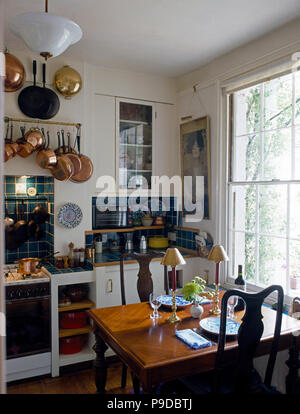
x=136 y=384
x=100 y=363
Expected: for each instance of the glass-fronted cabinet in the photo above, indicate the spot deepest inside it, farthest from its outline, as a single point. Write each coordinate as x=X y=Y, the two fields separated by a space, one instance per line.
x=135 y=144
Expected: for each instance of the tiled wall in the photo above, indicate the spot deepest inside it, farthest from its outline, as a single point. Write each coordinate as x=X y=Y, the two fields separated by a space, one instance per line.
x=172 y=217
x=45 y=189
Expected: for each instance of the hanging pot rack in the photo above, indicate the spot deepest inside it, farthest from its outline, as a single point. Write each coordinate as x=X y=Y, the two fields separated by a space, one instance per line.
x=40 y=121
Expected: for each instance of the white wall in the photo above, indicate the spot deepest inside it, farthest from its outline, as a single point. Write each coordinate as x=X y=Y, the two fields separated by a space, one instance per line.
x=94 y=108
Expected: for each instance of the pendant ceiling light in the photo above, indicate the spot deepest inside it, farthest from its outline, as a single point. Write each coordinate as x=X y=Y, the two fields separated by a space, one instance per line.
x=45 y=33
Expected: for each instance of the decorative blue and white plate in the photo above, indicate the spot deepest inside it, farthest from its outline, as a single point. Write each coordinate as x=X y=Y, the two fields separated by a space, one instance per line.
x=212 y=325
x=69 y=215
x=166 y=300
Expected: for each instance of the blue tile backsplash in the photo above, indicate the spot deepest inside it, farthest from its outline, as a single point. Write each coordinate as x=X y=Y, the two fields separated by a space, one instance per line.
x=45 y=189
x=184 y=238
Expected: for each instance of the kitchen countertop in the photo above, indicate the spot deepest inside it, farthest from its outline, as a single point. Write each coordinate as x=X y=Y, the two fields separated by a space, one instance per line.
x=50 y=267
x=109 y=258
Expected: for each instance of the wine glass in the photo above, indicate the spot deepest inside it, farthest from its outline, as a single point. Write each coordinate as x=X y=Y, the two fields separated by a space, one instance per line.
x=231 y=304
x=155 y=305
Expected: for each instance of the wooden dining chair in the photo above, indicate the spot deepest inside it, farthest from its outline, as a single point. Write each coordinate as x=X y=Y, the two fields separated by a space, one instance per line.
x=238 y=375
x=144 y=288
x=292 y=381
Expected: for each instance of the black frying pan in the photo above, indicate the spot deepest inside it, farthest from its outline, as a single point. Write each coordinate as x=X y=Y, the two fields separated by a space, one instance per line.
x=51 y=104
x=37 y=102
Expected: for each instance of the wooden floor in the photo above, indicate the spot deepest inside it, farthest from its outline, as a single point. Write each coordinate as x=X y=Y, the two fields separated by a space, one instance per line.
x=81 y=382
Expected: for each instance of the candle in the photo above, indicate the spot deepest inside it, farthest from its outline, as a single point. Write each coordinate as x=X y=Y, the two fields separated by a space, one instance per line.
x=173 y=278
x=217 y=273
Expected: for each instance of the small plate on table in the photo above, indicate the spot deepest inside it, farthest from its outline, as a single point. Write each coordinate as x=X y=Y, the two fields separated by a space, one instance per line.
x=212 y=325
x=166 y=300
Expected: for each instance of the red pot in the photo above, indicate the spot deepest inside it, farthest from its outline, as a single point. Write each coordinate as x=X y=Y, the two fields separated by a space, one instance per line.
x=72 y=320
x=72 y=344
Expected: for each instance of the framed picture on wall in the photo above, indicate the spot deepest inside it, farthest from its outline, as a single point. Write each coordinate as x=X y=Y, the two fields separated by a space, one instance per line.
x=195 y=168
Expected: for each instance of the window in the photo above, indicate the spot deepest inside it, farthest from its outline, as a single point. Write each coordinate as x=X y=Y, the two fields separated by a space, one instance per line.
x=264 y=184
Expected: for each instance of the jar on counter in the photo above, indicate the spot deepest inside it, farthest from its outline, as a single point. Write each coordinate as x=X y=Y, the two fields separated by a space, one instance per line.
x=81 y=256
x=59 y=262
x=76 y=257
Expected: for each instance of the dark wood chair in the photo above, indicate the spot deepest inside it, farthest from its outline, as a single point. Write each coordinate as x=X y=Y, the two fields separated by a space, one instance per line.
x=292 y=381
x=238 y=375
x=144 y=288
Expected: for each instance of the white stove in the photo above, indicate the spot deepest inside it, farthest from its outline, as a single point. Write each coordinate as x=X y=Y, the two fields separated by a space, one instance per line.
x=11 y=276
x=28 y=324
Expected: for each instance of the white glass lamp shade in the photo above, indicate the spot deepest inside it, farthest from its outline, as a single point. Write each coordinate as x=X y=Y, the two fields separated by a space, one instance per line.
x=45 y=32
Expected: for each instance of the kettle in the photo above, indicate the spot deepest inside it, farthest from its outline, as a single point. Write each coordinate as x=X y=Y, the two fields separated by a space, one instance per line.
x=143 y=244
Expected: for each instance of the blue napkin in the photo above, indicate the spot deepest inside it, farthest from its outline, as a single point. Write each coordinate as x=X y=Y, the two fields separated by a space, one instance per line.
x=193 y=339
x=205 y=301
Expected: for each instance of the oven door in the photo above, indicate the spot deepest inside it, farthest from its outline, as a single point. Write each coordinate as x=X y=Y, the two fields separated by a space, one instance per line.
x=28 y=327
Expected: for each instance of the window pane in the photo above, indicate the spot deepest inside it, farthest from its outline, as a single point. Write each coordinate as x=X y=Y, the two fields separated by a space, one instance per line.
x=277 y=155
x=297 y=97
x=243 y=253
x=273 y=209
x=246 y=158
x=272 y=260
x=294 y=210
x=244 y=207
x=297 y=153
x=247 y=110
x=295 y=267
x=278 y=103
x=250 y=257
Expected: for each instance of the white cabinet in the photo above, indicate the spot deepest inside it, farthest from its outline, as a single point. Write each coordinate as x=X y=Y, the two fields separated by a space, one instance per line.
x=87 y=354
x=166 y=153
x=147 y=142
x=109 y=286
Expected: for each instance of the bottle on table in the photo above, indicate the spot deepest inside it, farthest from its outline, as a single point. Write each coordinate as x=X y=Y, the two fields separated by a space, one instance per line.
x=241 y=285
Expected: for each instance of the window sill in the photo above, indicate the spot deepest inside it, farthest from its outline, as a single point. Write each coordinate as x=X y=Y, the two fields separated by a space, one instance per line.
x=270 y=300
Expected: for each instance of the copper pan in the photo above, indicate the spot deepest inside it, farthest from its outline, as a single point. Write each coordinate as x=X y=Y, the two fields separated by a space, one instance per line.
x=63 y=169
x=14 y=145
x=25 y=148
x=34 y=137
x=86 y=170
x=46 y=157
x=8 y=149
x=74 y=158
x=15 y=74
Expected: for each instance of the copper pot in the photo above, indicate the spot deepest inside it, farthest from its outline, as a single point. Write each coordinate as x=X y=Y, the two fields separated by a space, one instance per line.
x=15 y=74
x=8 y=149
x=46 y=156
x=34 y=137
x=25 y=148
x=29 y=265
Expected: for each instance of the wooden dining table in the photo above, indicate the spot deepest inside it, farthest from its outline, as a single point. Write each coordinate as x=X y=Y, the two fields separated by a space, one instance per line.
x=154 y=354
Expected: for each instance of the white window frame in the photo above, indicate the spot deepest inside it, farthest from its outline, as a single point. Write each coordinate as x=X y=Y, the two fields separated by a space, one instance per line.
x=228 y=185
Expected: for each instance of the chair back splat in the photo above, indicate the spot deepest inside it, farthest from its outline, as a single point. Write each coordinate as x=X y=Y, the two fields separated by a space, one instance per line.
x=249 y=336
x=144 y=281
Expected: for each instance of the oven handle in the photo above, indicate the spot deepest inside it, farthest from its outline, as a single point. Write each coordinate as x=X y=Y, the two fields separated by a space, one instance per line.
x=26 y=300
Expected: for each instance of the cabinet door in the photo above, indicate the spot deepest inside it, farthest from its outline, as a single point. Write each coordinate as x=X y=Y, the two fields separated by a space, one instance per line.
x=108 y=286
x=134 y=143
x=166 y=146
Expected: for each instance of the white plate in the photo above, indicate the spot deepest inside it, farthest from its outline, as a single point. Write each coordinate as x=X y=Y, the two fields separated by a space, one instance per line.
x=69 y=215
x=212 y=325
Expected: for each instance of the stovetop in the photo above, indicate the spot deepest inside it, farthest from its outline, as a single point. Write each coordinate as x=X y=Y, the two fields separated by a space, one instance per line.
x=11 y=276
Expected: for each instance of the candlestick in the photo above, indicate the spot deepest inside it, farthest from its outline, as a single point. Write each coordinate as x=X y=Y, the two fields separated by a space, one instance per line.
x=217 y=272
x=173 y=318
x=216 y=310
x=174 y=278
